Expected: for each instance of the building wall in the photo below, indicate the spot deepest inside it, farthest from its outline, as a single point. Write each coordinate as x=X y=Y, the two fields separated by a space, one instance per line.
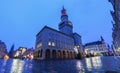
x=99 y=49
x=53 y=40
x=19 y=53
x=92 y=49
x=103 y=48
x=66 y=28
x=78 y=42
x=41 y=40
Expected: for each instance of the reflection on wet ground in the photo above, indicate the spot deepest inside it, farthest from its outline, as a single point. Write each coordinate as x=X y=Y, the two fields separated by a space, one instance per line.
x=88 y=65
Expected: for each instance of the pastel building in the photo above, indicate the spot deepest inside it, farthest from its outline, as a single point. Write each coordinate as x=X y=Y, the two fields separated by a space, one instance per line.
x=28 y=53
x=96 y=48
x=58 y=44
x=20 y=52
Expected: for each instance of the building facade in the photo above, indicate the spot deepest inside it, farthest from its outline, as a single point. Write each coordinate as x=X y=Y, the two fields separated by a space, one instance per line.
x=3 y=50
x=11 y=52
x=29 y=53
x=19 y=53
x=116 y=25
x=96 y=48
x=58 y=44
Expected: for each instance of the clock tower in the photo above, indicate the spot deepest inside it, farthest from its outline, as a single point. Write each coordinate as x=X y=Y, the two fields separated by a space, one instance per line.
x=65 y=25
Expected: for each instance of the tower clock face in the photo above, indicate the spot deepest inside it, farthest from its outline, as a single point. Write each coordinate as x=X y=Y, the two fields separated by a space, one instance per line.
x=70 y=23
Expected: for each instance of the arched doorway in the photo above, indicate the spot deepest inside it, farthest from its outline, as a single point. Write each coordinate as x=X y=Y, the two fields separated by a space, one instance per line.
x=38 y=53
x=71 y=55
x=54 y=54
x=35 y=54
x=68 y=56
x=74 y=55
x=41 y=53
x=47 y=54
x=59 y=54
x=64 y=55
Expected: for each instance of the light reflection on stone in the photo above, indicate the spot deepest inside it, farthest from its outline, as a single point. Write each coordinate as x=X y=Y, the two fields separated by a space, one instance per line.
x=96 y=61
x=80 y=67
x=88 y=64
x=93 y=63
x=17 y=66
x=28 y=66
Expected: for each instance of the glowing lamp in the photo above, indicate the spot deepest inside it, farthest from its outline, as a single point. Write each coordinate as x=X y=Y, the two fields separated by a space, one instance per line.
x=6 y=57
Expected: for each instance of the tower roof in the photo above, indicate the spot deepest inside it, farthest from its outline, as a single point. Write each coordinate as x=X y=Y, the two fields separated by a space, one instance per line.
x=63 y=11
x=102 y=38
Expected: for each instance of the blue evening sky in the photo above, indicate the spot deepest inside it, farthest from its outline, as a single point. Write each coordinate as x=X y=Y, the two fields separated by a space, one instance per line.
x=21 y=20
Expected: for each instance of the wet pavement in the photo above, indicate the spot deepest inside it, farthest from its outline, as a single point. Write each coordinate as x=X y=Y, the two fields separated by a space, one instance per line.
x=88 y=65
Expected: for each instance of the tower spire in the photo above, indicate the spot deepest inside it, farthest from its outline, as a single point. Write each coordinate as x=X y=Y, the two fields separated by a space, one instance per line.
x=63 y=7
x=65 y=25
x=63 y=11
x=102 y=38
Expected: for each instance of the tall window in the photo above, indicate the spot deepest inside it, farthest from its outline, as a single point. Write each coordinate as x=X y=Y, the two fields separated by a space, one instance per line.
x=51 y=43
x=39 y=45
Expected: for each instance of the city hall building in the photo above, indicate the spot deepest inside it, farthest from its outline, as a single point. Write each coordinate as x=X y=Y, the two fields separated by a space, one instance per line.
x=58 y=44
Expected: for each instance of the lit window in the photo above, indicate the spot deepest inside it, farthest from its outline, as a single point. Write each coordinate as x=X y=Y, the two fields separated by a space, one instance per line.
x=49 y=43
x=53 y=44
x=39 y=45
